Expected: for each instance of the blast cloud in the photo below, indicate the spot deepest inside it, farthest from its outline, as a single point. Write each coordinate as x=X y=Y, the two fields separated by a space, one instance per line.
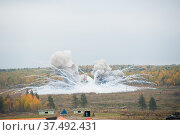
x=62 y=59
x=103 y=73
x=105 y=79
x=64 y=66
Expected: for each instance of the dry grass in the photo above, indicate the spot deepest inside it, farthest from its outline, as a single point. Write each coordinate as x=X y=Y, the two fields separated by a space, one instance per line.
x=109 y=105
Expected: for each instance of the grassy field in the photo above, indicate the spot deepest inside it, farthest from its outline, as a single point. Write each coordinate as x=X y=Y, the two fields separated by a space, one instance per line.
x=117 y=106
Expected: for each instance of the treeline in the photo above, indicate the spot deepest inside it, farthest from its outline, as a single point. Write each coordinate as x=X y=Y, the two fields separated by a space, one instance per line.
x=28 y=102
x=12 y=78
x=163 y=75
x=166 y=75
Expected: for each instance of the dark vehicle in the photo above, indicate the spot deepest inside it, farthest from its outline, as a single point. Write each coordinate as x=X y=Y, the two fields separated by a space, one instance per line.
x=87 y=114
x=175 y=116
x=51 y=118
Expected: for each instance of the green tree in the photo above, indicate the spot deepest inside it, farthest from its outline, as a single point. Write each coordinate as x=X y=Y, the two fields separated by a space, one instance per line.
x=75 y=101
x=1 y=104
x=32 y=93
x=37 y=95
x=83 y=100
x=51 y=102
x=142 y=102
x=152 y=104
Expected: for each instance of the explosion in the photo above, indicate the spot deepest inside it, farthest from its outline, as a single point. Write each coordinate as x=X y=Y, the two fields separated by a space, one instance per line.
x=64 y=66
x=103 y=73
x=105 y=80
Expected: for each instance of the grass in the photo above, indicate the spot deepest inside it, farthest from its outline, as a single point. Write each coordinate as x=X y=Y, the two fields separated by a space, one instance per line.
x=109 y=105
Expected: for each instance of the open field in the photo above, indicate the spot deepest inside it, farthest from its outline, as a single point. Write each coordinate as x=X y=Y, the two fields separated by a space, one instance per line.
x=118 y=106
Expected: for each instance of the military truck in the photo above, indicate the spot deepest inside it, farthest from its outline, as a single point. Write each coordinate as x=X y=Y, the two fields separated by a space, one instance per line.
x=175 y=116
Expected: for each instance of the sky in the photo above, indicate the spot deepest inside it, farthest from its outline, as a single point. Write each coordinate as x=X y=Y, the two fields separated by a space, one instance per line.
x=119 y=31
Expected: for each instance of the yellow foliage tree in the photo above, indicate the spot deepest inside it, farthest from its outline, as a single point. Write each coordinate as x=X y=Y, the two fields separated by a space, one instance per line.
x=7 y=104
x=29 y=102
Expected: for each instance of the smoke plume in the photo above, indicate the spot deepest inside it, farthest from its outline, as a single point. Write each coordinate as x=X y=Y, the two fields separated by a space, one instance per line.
x=64 y=66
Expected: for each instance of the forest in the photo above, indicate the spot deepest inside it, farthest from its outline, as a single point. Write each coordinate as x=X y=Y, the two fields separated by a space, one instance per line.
x=161 y=75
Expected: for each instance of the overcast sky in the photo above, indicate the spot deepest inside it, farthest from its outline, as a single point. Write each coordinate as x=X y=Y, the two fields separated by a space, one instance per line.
x=119 y=31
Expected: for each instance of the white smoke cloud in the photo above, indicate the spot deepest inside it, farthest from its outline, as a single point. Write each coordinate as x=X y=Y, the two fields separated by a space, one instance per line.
x=64 y=66
x=62 y=59
x=103 y=73
x=117 y=73
x=108 y=80
x=102 y=67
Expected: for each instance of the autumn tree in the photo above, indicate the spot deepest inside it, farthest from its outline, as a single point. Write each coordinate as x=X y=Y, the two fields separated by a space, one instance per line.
x=29 y=102
x=16 y=106
x=7 y=104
